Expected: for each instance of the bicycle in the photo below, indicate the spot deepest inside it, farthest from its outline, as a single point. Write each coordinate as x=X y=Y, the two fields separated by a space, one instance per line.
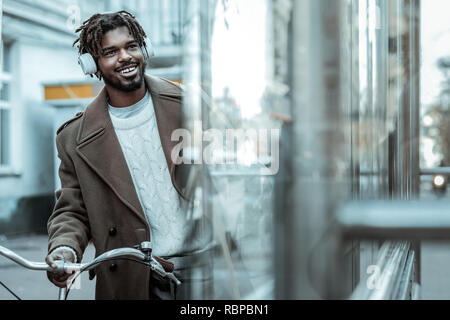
x=141 y=254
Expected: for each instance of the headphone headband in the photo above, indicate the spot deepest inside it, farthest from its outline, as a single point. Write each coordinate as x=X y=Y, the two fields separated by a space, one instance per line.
x=89 y=66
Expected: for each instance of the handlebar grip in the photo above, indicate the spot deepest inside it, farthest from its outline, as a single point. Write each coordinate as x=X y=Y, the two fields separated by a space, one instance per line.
x=59 y=267
x=167 y=265
x=158 y=268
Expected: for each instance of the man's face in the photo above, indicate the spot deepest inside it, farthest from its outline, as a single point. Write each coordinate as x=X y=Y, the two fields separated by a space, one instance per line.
x=121 y=62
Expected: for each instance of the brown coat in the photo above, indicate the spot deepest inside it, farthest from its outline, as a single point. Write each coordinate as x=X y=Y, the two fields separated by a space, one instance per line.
x=97 y=199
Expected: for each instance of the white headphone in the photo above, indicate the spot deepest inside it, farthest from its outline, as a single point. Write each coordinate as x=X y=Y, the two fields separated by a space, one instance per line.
x=88 y=65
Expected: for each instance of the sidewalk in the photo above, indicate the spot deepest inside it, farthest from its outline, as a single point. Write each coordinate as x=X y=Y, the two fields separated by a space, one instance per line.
x=34 y=285
x=435 y=276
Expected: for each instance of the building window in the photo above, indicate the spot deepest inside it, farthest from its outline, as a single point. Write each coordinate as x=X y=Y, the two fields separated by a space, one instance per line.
x=5 y=106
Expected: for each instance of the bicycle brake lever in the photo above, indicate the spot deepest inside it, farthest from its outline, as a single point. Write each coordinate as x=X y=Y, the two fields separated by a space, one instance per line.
x=156 y=266
x=173 y=278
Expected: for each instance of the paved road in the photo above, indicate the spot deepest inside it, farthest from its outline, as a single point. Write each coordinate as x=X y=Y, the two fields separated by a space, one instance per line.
x=435 y=276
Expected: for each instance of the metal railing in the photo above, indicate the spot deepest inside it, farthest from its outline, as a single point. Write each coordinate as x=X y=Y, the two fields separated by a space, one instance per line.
x=393 y=274
x=401 y=220
x=433 y=171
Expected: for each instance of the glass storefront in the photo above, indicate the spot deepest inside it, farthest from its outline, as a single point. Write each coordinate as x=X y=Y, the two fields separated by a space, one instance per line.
x=321 y=101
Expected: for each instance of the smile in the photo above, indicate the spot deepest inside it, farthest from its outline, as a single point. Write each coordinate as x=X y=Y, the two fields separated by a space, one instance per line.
x=128 y=70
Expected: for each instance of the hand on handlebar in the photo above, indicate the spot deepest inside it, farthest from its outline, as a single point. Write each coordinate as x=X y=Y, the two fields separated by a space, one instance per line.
x=60 y=280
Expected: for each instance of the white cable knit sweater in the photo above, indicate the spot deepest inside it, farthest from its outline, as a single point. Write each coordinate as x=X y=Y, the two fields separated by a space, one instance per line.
x=172 y=232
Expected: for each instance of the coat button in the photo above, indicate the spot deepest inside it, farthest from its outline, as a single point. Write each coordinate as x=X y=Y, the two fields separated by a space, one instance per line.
x=112 y=231
x=113 y=267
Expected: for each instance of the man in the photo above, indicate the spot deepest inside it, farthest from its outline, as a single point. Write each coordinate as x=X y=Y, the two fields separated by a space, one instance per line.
x=119 y=185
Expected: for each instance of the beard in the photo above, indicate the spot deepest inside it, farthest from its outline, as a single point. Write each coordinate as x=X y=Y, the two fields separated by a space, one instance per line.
x=129 y=85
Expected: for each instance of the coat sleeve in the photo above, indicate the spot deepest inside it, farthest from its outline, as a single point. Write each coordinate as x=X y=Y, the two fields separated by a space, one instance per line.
x=68 y=225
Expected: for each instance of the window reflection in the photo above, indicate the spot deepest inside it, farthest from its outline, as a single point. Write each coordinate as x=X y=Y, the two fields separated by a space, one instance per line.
x=435 y=87
x=242 y=208
x=340 y=82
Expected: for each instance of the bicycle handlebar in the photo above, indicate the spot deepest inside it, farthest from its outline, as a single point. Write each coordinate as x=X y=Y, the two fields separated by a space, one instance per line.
x=24 y=262
x=63 y=267
x=142 y=256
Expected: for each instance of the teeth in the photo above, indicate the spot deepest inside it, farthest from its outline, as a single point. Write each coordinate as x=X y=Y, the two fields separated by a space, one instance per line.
x=127 y=70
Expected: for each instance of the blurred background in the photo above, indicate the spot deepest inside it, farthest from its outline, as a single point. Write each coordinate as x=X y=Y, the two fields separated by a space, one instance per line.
x=353 y=98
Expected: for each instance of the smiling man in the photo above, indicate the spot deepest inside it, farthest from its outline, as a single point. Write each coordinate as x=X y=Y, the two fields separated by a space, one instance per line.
x=121 y=72
x=119 y=185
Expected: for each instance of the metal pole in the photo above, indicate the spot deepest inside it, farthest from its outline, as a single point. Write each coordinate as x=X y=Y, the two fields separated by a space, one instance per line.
x=318 y=153
x=415 y=21
x=197 y=101
x=62 y=293
x=1 y=19
x=1 y=46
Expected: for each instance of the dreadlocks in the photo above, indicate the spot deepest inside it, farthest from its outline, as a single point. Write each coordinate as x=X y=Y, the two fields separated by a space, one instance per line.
x=93 y=29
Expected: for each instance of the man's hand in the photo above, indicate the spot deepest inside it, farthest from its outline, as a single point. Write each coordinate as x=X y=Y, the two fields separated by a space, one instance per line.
x=57 y=279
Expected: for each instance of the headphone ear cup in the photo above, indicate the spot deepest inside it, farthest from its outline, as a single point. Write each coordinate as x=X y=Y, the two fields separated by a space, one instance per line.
x=87 y=63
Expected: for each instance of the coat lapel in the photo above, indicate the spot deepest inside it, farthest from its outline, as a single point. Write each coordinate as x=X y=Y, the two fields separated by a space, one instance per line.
x=99 y=146
x=167 y=103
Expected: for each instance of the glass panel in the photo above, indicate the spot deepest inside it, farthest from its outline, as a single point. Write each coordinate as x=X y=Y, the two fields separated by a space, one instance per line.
x=6 y=57
x=228 y=95
x=372 y=140
x=5 y=92
x=435 y=95
x=243 y=206
x=4 y=137
x=382 y=53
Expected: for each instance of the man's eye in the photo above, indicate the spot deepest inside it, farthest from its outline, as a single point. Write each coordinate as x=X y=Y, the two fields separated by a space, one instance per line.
x=109 y=53
x=133 y=46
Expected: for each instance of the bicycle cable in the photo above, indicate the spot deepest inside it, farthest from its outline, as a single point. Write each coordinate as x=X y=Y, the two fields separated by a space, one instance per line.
x=9 y=290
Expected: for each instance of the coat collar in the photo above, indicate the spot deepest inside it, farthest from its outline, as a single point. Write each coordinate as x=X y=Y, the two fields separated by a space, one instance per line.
x=97 y=116
x=98 y=145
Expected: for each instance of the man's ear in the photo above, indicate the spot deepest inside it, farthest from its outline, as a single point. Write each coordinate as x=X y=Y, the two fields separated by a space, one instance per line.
x=98 y=74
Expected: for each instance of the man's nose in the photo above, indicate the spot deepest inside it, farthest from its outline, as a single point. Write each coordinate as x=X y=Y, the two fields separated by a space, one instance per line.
x=124 y=55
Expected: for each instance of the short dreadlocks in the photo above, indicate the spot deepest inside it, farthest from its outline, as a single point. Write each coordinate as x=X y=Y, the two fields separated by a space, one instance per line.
x=93 y=29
